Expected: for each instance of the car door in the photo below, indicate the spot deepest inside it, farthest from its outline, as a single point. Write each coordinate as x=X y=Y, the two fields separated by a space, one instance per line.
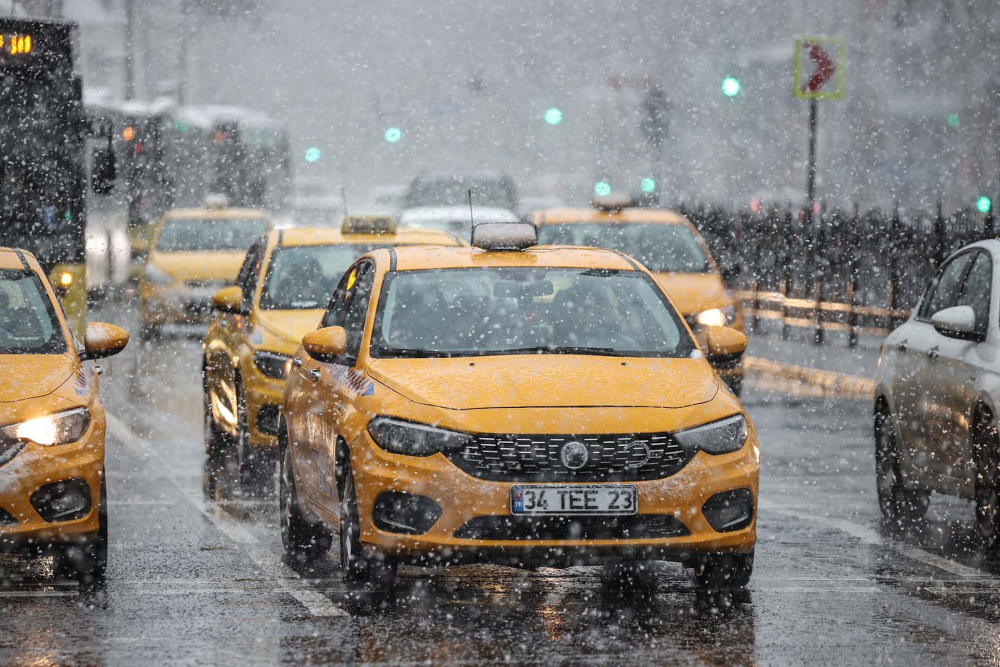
x=953 y=368
x=923 y=417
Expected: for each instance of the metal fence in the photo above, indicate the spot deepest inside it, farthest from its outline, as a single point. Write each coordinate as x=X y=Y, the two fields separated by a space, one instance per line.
x=855 y=271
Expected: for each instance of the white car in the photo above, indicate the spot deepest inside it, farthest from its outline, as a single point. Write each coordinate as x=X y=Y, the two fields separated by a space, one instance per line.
x=454 y=219
x=937 y=400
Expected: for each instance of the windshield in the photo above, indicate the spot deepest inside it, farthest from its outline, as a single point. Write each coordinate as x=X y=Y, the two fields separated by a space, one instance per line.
x=473 y=312
x=661 y=248
x=455 y=191
x=28 y=324
x=303 y=277
x=180 y=234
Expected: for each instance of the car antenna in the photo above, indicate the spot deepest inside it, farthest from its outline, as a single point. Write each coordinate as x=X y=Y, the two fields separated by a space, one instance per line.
x=472 y=221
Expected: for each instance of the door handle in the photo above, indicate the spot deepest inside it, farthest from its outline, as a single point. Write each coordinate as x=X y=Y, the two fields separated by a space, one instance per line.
x=314 y=375
x=901 y=346
x=933 y=353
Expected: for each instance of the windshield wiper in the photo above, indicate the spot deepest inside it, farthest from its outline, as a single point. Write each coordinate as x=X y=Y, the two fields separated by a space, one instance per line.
x=549 y=349
x=408 y=353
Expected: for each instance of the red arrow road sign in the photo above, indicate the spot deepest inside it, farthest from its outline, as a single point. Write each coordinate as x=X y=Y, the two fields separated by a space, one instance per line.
x=825 y=67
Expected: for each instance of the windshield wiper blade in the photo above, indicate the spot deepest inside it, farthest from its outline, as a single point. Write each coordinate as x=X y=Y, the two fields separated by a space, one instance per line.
x=409 y=353
x=549 y=349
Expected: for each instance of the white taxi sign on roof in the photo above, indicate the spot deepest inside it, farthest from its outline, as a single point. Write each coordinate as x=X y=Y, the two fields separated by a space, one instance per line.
x=504 y=235
x=612 y=202
x=368 y=224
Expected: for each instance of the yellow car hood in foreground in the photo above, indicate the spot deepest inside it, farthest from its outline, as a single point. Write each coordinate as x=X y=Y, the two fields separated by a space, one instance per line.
x=548 y=380
x=287 y=327
x=199 y=265
x=694 y=292
x=33 y=375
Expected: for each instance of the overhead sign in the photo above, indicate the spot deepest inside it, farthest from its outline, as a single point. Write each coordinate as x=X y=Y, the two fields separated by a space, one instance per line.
x=819 y=68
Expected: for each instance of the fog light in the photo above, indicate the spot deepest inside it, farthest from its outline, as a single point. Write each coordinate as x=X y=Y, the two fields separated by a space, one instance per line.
x=729 y=510
x=406 y=513
x=62 y=501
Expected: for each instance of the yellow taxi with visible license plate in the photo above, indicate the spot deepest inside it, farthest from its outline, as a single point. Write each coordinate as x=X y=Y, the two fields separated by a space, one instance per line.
x=519 y=405
x=193 y=253
x=667 y=244
x=53 y=492
x=280 y=294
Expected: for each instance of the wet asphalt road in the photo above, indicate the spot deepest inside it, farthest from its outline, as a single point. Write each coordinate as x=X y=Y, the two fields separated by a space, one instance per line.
x=196 y=574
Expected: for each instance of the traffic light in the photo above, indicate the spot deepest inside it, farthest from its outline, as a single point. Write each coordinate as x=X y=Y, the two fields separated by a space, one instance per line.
x=313 y=154
x=648 y=185
x=393 y=134
x=954 y=121
x=602 y=188
x=983 y=204
x=553 y=116
x=730 y=86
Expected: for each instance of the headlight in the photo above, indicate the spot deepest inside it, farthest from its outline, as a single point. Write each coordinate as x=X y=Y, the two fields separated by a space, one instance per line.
x=271 y=364
x=57 y=429
x=400 y=437
x=156 y=275
x=721 y=437
x=717 y=317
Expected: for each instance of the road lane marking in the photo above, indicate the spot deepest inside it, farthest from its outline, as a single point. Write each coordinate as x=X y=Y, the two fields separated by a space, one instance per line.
x=264 y=559
x=38 y=594
x=866 y=535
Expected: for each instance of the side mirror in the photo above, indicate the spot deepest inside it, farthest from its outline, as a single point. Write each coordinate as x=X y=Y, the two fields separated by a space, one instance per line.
x=724 y=346
x=229 y=300
x=956 y=322
x=105 y=171
x=102 y=340
x=327 y=345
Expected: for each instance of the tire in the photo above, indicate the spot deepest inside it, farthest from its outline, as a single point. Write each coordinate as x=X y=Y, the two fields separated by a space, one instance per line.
x=302 y=539
x=256 y=467
x=374 y=570
x=723 y=571
x=985 y=446
x=88 y=562
x=901 y=506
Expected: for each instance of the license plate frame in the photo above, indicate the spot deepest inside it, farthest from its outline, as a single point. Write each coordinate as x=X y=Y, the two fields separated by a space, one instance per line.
x=574 y=500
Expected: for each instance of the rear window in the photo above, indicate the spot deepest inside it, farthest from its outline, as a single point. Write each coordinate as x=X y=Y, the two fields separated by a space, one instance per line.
x=180 y=235
x=28 y=323
x=661 y=248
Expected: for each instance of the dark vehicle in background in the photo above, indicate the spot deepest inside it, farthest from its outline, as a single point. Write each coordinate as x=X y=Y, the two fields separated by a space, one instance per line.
x=443 y=189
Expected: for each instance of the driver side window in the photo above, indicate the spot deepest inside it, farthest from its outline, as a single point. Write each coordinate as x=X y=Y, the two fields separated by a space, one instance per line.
x=349 y=306
x=944 y=290
x=247 y=278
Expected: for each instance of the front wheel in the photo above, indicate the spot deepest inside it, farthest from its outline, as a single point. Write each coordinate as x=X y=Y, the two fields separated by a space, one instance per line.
x=723 y=571
x=375 y=570
x=256 y=466
x=87 y=562
x=302 y=539
x=900 y=506
x=985 y=450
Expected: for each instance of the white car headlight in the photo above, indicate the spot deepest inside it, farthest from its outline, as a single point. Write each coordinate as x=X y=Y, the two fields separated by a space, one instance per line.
x=156 y=275
x=57 y=429
x=719 y=437
x=717 y=317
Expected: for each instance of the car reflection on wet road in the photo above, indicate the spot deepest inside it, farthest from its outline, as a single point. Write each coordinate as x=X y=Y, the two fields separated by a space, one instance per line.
x=196 y=572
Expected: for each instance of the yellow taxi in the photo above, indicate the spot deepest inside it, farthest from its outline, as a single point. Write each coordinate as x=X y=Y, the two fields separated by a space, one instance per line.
x=53 y=494
x=192 y=254
x=667 y=244
x=514 y=404
x=280 y=294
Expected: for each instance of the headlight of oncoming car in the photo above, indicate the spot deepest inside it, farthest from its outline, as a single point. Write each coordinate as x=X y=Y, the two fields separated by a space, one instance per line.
x=400 y=437
x=156 y=275
x=720 y=437
x=57 y=429
x=271 y=364
x=717 y=317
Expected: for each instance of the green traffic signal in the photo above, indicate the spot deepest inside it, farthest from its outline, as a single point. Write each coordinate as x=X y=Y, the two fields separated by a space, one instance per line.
x=602 y=189
x=730 y=87
x=313 y=154
x=393 y=134
x=648 y=185
x=983 y=204
x=553 y=116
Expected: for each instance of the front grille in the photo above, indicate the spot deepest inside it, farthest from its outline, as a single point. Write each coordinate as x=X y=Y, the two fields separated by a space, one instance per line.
x=640 y=526
x=208 y=285
x=524 y=458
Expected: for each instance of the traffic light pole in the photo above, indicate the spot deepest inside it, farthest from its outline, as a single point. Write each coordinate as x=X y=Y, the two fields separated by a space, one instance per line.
x=811 y=176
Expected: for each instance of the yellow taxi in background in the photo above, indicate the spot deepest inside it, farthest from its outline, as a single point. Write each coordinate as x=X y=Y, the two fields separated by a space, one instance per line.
x=519 y=405
x=280 y=295
x=667 y=244
x=192 y=254
x=53 y=494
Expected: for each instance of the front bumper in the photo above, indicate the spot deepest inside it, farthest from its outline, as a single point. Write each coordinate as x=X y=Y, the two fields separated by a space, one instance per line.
x=463 y=497
x=80 y=463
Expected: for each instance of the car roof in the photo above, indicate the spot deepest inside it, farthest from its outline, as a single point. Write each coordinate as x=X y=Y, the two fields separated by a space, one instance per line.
x=423 y=257
x=215 y=213
x=569 y=215
x=302 y=236
x=10 y=260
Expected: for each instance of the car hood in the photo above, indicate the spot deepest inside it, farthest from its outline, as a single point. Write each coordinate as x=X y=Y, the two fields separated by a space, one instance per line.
x=694 y=292
x=33 y=375
x=186 y=266
x=288 y=326
x=548 y=380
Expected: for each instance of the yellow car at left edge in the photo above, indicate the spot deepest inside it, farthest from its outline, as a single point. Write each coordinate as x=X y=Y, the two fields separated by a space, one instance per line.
x=193 y=253
x=281 y=293
x=53 y=491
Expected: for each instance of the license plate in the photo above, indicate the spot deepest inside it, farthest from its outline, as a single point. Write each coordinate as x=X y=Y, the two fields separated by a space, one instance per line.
x=597 y=499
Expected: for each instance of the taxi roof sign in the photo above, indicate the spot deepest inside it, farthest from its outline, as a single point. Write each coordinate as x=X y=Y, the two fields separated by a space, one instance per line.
x=611 y=202
x=368 y=224
x=215 y=201
x=504 y=235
